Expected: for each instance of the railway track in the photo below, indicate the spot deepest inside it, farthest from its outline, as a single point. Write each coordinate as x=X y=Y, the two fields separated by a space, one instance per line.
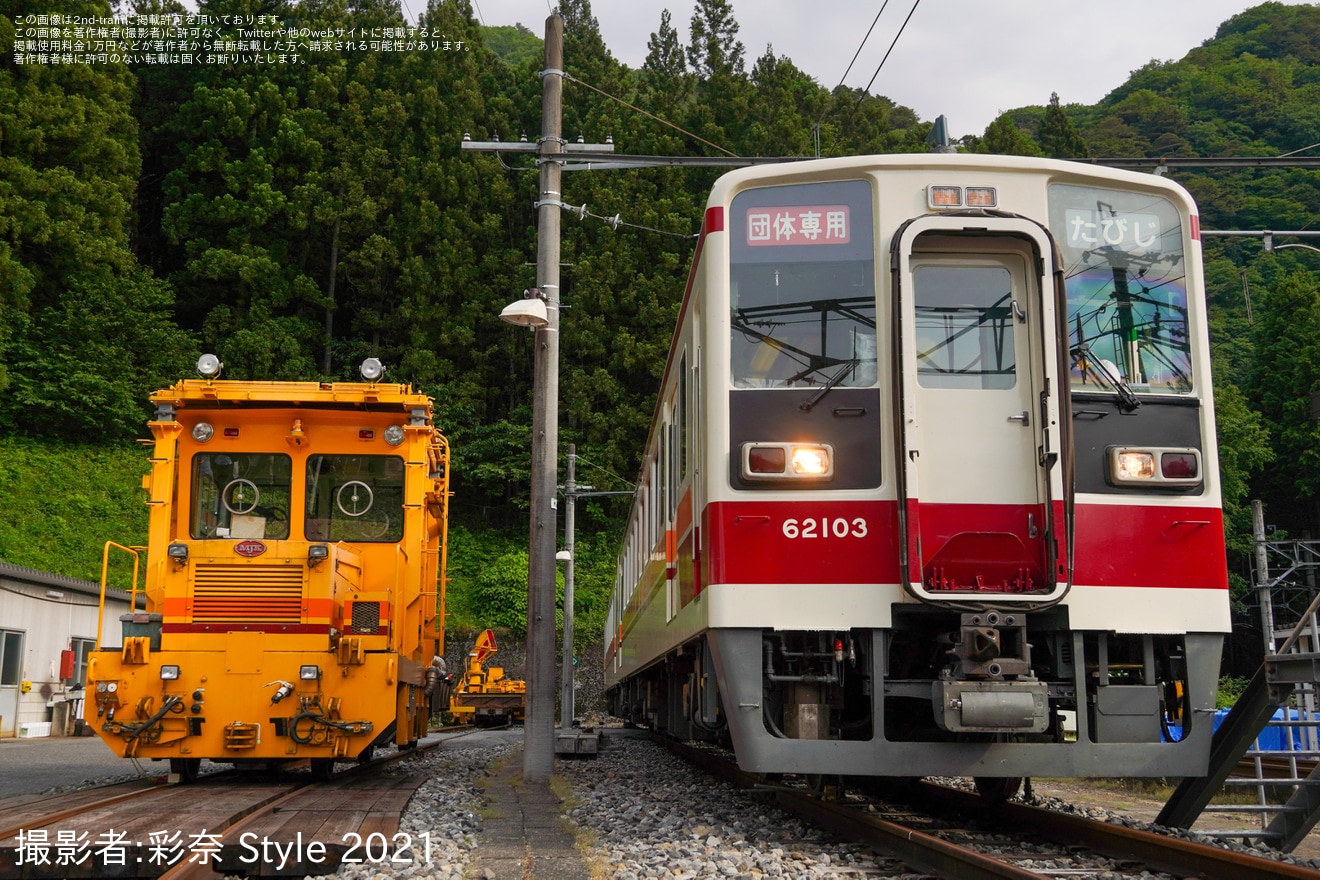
x=233 y=822
x=956 y=835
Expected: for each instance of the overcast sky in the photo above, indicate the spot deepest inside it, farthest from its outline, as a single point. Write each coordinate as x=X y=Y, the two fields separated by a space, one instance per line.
x=966 y=59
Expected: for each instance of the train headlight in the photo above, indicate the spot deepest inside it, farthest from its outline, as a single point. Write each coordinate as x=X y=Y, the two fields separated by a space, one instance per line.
x=203 y=431
x=394 y=435
x=177 y=552
x=169 y=673
x=811 y=461
x=309 y=673
x=1130 y=466
x=372 y=369
x=209 y=366
x=1157 y=466
x=316 y=553
x=787 y=461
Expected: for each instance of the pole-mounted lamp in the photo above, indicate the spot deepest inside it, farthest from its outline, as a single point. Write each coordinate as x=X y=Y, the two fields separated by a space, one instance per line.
x=527 y=312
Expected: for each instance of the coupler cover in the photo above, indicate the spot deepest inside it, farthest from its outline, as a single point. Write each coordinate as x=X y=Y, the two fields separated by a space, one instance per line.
x=991 y=706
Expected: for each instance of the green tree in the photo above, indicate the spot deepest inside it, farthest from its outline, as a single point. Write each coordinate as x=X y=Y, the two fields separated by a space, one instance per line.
x=1005 y=138
x=85 y=331
x=1287 y=372
x=1058 y=138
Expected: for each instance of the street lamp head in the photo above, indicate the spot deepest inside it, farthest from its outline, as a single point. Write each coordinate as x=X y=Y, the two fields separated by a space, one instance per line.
x=563 y=556
x=529 y=311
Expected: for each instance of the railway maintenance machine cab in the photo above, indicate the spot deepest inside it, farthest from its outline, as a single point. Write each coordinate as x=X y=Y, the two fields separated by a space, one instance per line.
x=293 y=576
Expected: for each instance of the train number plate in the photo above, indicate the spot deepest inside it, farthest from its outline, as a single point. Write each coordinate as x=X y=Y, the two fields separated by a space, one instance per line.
x=825 y=527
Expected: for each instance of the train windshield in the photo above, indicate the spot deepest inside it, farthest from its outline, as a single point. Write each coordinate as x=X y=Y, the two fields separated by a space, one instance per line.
x=241 y=495
x=802 y=286
x=355 y=498
x=1126 y=278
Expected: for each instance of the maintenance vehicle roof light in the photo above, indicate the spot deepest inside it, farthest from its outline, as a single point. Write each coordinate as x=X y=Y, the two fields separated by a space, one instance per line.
x=394 y=435
x=372 y=369
x=203 y=431
x=209 y=366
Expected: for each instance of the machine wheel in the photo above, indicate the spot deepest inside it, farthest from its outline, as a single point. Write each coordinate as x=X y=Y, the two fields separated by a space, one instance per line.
x=323 y=768
x=186 y=769
x=997 y=789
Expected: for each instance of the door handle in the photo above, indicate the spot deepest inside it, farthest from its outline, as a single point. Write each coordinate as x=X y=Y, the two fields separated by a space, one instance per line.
x=1024 y=419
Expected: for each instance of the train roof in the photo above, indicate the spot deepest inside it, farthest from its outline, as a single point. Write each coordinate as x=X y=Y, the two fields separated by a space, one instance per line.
x=229 y=393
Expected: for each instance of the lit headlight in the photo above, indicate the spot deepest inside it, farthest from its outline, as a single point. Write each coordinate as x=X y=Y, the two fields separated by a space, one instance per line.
x=1134 y=466
x=203 y=431
x=169 y=673
x=1156 y=466
x=811 y=461
x=787 y=461
x=394 y=435
x=309 y=673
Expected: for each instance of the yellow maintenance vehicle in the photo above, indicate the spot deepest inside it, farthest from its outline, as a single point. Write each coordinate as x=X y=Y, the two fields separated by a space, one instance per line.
x=484 y=697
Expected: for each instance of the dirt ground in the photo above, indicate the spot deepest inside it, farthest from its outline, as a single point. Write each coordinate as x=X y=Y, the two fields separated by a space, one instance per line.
x=1145 y=807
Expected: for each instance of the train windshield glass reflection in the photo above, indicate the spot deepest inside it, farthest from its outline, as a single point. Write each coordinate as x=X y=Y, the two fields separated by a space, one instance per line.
x=802 y=288
x=241 y=495
x=354 y=498
x=1127 y=290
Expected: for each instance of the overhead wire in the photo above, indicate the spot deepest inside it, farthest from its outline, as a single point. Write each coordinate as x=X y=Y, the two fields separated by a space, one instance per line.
x=570 y=78
x=862 y=45
x=892 y=45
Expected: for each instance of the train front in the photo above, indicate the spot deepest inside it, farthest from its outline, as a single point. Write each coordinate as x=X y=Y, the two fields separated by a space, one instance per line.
x=293 y=576
x=956 y=505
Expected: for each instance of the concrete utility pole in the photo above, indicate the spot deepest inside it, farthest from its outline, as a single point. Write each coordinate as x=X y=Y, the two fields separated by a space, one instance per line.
x=539 y=727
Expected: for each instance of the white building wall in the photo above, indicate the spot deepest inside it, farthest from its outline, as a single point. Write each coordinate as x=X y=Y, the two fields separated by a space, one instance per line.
x=49 y=612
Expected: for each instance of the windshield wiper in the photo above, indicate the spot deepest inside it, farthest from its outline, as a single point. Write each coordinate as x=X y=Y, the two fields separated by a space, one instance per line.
x=848 y=366
x=1127 y=400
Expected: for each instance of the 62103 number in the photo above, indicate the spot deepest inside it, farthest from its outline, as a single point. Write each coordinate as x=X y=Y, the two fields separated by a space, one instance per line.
x=825 y=527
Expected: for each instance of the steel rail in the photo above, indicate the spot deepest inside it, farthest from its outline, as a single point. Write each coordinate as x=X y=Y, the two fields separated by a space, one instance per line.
x=918 y=849
x=1183 y=858
x=60 y=815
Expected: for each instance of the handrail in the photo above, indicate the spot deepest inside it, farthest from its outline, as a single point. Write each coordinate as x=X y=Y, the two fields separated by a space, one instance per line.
x=105 y=575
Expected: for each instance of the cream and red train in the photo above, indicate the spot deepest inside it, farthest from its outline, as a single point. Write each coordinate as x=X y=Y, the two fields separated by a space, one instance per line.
x=932 y=481
x=294 y=577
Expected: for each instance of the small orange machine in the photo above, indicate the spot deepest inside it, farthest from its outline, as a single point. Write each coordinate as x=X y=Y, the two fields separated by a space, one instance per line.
x=485 y=697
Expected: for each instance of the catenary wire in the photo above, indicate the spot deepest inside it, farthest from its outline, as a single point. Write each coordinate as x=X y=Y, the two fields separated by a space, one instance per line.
x=891 y=46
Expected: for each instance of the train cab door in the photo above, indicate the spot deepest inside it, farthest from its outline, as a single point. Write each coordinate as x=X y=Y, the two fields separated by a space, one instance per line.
x=979 y=381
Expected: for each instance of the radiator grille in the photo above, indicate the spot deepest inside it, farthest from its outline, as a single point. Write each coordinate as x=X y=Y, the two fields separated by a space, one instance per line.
x=366 y=617
x=247 y=592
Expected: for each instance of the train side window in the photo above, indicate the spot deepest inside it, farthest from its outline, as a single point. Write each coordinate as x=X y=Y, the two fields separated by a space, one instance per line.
x=241 y=495
x=357 y=498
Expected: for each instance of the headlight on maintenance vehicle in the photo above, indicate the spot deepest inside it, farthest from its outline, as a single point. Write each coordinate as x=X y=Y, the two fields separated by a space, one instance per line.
x=1154 y=466
x=169 y=673
x=309 y=673
x=787 y=461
